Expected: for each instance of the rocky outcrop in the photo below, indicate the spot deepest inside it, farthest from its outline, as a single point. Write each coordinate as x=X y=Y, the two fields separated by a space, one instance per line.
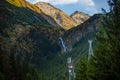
x=59 y=16
x=79 y=17
x=89 y=27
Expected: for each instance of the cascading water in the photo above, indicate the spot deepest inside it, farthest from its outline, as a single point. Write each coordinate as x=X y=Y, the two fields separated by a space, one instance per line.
x=69 y=61
x=63 y=44
x=90 y=49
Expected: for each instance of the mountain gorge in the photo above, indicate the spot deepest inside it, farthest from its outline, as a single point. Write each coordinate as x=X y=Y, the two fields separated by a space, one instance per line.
x=31 y=33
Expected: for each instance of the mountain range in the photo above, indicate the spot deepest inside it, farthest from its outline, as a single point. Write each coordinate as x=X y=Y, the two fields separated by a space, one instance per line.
x=62 y=19
x=34 y=30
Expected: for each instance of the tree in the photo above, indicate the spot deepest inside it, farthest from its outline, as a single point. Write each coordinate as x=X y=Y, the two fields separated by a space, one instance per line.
x=82 y=69
x=12 y=68
x=106 y=57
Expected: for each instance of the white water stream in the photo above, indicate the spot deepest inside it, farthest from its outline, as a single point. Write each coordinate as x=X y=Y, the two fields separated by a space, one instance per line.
x=63 y=44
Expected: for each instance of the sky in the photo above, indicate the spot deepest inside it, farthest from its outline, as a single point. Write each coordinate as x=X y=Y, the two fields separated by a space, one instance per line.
x=70 y=6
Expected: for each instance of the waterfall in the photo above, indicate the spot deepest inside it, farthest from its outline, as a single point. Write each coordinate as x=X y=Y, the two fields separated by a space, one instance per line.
x=63 y=44
x=90 y=49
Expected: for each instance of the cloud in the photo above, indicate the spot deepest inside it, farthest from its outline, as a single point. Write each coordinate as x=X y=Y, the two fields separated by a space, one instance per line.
x=88 y=5
x=91 y=10
x=64 y=2
x=87 y=2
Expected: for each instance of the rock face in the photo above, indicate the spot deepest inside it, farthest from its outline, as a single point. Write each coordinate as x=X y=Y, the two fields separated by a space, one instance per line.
x=59 y=16
x=89 y=27
x=79 y=17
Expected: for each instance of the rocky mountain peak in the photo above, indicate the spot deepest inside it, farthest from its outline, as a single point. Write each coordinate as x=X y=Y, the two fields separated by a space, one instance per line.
x=59 y=16
x=79 y=17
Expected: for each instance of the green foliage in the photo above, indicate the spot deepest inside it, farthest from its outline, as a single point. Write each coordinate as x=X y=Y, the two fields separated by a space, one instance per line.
x=25 y=41
x=12 y=68
x=82 y=69
x=104 y=64
x=106 y=56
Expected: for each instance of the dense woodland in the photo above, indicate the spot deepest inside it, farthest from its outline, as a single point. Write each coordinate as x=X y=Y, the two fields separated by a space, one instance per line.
x=105 y=63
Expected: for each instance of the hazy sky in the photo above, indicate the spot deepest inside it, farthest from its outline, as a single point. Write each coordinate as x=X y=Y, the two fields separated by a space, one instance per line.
x=69 y=6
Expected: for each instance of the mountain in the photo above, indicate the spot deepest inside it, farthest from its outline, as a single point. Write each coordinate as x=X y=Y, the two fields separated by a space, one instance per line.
x=25 y=31
x=39 y=16
x=87 y=29
x=59 y=16
x=76 y=41
x=79 y=17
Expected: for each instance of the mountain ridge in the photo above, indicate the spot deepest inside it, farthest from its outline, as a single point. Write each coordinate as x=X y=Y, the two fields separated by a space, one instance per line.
x=59 y=16
x=90 y=26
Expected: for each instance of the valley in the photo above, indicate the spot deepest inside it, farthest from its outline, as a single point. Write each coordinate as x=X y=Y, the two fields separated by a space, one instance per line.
x=43 y=37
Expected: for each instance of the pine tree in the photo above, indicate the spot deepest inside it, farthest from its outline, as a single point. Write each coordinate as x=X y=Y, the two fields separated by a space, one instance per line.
x=82 y=69
x=106 y=59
